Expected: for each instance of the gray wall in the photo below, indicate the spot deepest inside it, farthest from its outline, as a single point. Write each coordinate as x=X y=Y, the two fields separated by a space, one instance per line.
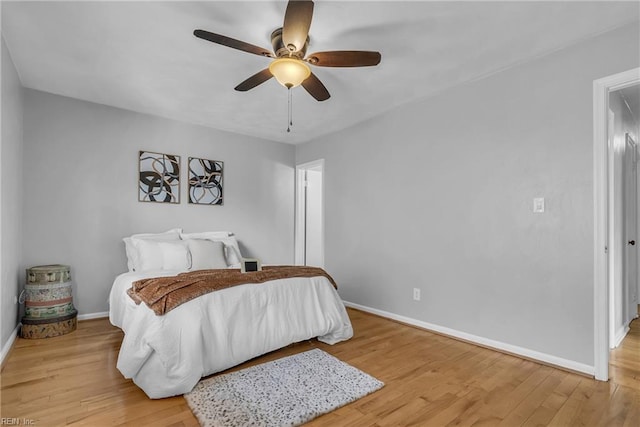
x=80 y=175
x=11 y=191
x=438 y=195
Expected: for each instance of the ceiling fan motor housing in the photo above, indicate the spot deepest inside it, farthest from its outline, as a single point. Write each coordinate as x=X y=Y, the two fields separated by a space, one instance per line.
x=281 y=50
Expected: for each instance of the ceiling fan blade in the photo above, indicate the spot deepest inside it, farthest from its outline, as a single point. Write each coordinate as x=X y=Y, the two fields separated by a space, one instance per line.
x=315 y=88
x=345 y=58
x=233 y=43
x=255 y=80
x=297 y=21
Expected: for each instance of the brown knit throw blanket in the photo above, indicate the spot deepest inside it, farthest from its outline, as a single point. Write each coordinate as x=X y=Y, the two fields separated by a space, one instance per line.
x=163 y=294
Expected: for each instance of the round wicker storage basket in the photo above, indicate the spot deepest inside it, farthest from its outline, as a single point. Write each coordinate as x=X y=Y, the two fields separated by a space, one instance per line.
x=49 y=310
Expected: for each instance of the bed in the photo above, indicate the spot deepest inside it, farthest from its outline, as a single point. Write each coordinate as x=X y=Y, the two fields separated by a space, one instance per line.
x=166 y=355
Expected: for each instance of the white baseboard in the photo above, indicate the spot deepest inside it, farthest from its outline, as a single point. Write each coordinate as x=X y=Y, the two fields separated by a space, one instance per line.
x=620 y=334
x=91 y=316
x=485 y=342
x=9 y=343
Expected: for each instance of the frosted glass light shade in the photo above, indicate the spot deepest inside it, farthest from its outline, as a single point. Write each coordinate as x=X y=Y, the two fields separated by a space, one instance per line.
x=289 y=72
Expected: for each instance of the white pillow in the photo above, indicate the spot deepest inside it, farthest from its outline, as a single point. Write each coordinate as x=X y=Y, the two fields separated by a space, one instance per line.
x=158 y=255
x=132 y=251
x=149 y=255
x=206 y=254
x=231 y=248
x=175 y=256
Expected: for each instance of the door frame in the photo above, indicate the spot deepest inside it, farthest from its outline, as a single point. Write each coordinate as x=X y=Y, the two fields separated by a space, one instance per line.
x=602 y=175
x=300 y=211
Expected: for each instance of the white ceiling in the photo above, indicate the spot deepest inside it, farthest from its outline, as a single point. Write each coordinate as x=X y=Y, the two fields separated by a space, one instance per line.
x=142 y=56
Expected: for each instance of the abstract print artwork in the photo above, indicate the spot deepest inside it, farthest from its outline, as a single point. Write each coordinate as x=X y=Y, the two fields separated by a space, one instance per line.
x=159 y=178
x=205 y=181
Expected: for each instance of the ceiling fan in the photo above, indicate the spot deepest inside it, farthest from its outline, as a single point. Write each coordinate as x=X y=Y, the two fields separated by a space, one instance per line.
x=290 y=44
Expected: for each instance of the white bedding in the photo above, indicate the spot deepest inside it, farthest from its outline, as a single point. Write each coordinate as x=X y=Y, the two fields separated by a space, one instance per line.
x=167 y=355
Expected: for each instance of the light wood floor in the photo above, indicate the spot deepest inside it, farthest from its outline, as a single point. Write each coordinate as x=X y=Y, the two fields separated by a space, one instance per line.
x=430 y=380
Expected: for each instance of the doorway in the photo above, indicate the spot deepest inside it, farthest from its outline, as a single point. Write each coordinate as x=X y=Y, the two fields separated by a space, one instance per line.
x=623 y=127
x=309 y=231
x=608 y=238
x=623 y=223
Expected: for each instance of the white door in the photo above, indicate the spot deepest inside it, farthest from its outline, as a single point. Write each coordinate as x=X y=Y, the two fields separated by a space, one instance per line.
x=631 y=226
x=309 y=233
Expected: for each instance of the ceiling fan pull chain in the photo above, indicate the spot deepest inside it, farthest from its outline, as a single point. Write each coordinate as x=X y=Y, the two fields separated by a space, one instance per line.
x=289 y=120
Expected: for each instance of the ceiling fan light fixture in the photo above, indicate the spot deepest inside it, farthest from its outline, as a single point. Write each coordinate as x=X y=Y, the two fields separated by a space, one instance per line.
x=289 y=72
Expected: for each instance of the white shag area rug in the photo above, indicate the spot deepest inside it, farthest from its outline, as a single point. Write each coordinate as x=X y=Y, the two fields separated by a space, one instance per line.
x=284 y=392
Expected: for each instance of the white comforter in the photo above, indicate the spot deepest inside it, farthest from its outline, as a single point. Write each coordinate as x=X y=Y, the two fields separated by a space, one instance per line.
x=167 y=355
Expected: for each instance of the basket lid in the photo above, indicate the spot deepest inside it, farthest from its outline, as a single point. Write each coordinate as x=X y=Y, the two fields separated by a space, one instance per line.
x=49 y=268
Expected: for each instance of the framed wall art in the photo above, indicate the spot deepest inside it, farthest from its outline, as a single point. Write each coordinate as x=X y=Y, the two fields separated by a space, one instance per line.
x=205 y=181
x=158 y=177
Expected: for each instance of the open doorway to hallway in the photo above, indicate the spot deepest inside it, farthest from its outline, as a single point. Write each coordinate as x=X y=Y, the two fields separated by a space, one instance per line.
x=604 y=240
x=309 y=231
x=623 y=130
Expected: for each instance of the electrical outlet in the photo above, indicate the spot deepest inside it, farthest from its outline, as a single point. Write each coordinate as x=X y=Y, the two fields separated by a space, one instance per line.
x=15 y=299
x=416 y=294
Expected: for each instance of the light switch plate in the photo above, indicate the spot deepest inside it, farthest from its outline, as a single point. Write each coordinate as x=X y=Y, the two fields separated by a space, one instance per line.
x=538 y=205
